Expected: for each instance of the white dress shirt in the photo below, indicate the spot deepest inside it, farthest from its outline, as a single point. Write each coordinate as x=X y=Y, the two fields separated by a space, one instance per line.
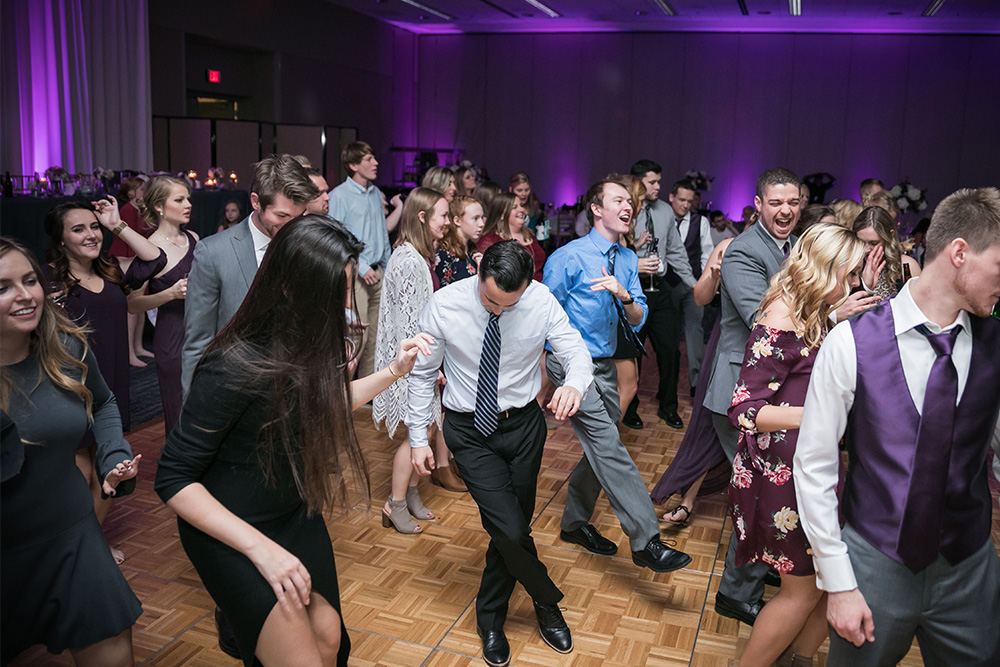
x=259 y=238
x=456 y=318
x=704 y=234
x=828 y=402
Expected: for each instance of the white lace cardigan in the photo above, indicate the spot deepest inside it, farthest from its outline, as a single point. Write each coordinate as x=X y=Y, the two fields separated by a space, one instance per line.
x=406 y=288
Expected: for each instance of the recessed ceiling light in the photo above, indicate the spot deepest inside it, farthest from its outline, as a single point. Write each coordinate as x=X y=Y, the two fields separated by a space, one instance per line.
x=795 y=7
x=542 y=8
x=429 y=10
x=666 y=7
x=932 y=7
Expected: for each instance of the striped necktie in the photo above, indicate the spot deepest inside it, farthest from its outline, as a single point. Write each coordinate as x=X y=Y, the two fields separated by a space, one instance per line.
x=486 y=417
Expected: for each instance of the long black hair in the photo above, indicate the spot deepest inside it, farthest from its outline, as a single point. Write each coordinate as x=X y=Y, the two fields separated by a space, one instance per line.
x=287 y=344
x=104 y=266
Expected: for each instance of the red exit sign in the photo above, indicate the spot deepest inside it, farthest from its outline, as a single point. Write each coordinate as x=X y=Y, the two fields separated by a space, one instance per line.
x=213 y=76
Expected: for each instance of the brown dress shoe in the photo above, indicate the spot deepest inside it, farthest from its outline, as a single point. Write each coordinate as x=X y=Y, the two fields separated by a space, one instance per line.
x=447 y=479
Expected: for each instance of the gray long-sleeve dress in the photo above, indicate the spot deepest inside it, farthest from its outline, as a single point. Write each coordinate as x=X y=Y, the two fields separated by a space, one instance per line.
x=59 y=584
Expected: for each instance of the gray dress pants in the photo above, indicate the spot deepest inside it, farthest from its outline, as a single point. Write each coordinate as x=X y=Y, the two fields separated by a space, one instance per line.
x=605 y=462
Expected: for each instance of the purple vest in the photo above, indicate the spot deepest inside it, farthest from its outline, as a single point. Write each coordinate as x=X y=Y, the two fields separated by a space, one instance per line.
x=692 y=243
x=882 y=438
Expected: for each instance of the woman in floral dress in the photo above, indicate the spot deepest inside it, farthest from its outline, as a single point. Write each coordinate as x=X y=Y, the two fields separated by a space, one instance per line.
x=767 y=410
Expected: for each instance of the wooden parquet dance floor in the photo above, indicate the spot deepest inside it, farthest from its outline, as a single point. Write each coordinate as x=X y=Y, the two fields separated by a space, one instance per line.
x=408 y=600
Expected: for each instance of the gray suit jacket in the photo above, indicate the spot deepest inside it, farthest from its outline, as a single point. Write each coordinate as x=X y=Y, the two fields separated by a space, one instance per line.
x=750 y=262
x=223 y=269
x=671 y=247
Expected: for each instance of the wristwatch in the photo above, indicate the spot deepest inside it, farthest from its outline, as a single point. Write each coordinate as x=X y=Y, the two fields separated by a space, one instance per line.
x=631 y=300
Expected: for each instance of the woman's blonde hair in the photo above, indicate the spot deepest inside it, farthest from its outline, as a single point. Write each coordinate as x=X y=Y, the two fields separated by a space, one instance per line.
x=881 y=221
x=48 y=342
x=809 y=276
x=499 y=214
x=636 y=192
x=155 y=195
x=437 y=178
x=845 y=210
x=453 y=241
x=411 y=229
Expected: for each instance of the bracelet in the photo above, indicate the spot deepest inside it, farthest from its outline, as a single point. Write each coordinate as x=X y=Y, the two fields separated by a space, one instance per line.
x=393 y=373
x=120 y=228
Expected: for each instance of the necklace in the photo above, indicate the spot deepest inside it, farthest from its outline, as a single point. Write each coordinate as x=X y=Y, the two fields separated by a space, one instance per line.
x=173 y=243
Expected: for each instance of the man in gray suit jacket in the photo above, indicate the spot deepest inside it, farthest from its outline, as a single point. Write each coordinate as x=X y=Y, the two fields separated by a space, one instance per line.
x=747 y=267
x=225 y=263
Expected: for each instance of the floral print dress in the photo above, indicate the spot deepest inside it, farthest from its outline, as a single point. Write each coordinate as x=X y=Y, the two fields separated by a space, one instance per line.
x=776 y=369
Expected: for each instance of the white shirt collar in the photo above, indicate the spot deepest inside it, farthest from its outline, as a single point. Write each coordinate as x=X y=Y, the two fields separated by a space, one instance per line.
x=260 y=239
x=778 y=242
x=906 y=314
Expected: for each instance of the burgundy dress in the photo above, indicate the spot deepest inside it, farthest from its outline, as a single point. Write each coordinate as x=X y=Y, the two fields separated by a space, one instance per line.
x=168 y=339
x=776 y=369
x=537 y=254
x=700 y=450
x=105 y=314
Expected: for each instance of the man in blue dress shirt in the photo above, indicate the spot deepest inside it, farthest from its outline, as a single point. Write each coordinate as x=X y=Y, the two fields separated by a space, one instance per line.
x=357 y=204
x=596 y=280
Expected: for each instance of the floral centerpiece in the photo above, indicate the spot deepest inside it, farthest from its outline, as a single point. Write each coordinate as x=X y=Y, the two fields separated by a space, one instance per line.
x=215 y=178
x=478 y=172
x=701 y=180
x=909 y=197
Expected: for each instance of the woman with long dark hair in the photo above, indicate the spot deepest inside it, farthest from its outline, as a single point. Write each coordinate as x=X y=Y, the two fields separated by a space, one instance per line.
x=266 y=443
x=59 y=584
x=93 y=289
x=886 y=267
x=166 y=206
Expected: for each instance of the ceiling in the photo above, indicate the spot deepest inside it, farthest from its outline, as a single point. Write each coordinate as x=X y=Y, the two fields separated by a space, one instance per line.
x=842 y=16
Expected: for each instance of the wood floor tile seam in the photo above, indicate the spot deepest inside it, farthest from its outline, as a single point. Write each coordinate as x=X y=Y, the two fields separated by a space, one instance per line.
x=463 y=655
x=708 y=590
x=450 y=628
x=179 y=635
x=430 y=649
x=164 y=579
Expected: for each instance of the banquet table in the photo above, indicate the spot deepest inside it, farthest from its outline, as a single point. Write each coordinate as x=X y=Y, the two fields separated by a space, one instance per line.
x=23 y=218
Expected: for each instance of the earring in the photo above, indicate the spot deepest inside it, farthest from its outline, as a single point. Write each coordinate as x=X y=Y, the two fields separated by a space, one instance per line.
x=159 y=213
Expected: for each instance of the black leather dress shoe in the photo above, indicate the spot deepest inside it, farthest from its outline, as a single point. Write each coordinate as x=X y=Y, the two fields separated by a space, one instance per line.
x=591 y=540
x=227 y=638
x=741 y=611
x=658 y=557
x=772 y=578
x=632 y=420
x=496 y=650
x=673 y=421
x=553 y=628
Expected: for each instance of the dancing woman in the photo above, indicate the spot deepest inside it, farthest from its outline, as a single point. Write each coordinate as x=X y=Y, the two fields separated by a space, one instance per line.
x=767 y=409
x=266 y=443
x=59 y=584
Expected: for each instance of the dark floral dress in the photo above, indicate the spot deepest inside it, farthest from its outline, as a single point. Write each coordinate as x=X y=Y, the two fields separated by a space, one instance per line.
x=776 y=369
x=448 y=268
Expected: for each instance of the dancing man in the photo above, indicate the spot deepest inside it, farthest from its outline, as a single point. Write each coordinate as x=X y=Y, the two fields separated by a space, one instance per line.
x=490 y=332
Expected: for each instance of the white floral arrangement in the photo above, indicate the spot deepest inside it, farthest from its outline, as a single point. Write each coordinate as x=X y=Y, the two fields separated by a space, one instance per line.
x=701 y=180
x=103 y=174
x=56 y=174
x=478 y=172
x=909 y=197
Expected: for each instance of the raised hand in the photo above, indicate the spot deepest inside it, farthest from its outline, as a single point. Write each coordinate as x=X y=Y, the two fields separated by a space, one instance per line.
x=857 y=302
x=874 y=264
x=107 y=212
x=125 y=470
x=609 y=283
x=408 y=350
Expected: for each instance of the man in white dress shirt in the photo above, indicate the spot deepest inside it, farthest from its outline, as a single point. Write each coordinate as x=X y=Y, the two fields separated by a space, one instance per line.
x=489 y=332
x=913 y=386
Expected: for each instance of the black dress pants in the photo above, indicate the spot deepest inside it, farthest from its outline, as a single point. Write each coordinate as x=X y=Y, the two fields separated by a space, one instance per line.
x=501 y=473
x=663 y=329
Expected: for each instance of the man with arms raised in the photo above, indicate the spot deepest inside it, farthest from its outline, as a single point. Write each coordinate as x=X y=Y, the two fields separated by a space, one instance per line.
x=915 y=558
x=597 y=281
x=490 y=331
x=225 y=263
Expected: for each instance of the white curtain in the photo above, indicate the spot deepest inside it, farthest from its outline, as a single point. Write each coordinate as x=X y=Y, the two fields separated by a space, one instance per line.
x=75 y=90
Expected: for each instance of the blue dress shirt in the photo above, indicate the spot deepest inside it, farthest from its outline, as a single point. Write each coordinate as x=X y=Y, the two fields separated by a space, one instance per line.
x=568 y=273
x=360 y=211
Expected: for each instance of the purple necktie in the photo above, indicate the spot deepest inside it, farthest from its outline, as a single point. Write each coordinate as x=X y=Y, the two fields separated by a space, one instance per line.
x=920 y=531
x=786 y=249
